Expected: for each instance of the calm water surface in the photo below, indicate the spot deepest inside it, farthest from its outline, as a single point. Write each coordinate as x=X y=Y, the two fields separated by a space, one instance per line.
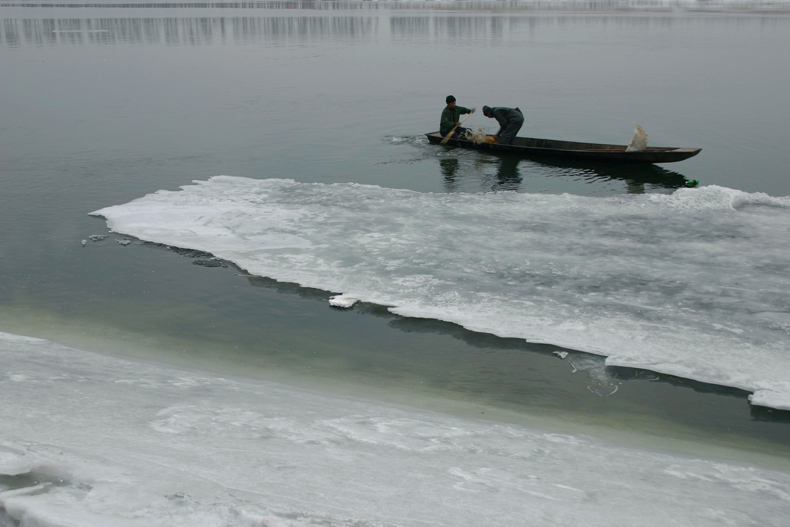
x=105 y=104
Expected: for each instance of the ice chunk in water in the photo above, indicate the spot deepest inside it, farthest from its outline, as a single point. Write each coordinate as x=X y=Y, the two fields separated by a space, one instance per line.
x=342 y=301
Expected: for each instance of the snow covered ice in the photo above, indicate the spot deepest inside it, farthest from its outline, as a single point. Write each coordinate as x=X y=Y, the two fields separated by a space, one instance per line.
x=342 y=301
x=693 y=284
x=93 y=440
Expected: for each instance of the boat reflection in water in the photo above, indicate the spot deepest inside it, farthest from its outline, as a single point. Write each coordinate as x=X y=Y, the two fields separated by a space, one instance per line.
x=507 y=172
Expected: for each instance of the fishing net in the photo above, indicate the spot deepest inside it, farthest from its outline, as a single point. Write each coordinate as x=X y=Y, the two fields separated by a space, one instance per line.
x=479 y=136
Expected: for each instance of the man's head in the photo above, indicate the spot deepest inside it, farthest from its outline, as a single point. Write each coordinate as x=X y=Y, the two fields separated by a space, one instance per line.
x=450 y=101
x=487 y=111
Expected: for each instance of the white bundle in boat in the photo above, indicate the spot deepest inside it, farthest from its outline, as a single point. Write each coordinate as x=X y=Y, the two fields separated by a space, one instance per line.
x=479 y=136
x=639 y=141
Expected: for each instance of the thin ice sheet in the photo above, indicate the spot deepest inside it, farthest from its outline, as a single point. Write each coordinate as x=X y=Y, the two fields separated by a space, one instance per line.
x=693 y=284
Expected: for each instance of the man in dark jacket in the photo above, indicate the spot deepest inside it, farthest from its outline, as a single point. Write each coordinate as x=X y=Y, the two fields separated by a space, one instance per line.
x=450 y=117
x=510 y=121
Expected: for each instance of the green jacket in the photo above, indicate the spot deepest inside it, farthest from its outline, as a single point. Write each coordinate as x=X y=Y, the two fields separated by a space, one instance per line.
x=450 y=117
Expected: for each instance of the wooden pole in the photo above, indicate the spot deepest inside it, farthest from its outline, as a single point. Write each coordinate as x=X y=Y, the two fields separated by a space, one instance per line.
x=451 y=132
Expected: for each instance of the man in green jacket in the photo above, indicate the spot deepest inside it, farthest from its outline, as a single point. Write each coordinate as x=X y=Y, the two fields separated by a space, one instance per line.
x=450 y=117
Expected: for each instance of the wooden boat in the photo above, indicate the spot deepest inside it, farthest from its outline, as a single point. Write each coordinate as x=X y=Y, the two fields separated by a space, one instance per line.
x=531 y=147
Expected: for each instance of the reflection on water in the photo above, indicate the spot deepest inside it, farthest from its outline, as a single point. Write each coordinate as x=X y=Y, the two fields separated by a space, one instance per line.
x=507 y=175
x=457 y=5
x=501 y=25
x=180 y=31
x=509 y=170
x=509 y=18
x=491 y=28
x=635 y=176
x=307 y=5
x=449 y=169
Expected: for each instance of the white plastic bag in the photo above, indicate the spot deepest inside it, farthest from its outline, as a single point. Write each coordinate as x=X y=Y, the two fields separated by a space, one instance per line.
x=639 y=141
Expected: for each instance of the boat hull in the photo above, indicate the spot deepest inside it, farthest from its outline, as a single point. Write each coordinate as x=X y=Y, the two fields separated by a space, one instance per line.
x=532 y=147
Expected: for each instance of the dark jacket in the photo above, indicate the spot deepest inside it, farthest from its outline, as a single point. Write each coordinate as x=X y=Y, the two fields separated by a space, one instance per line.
x=506 y=117
x=450 y=117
